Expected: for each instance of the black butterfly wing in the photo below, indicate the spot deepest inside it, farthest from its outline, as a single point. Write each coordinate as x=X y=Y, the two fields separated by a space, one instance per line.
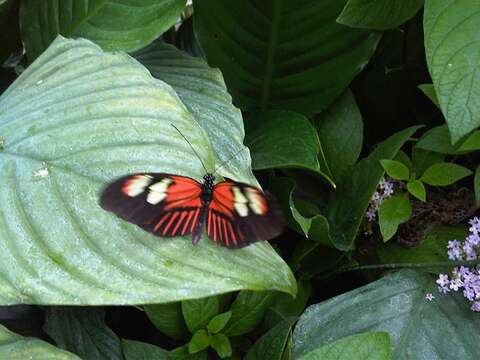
x=163 y=204
x=240 y=214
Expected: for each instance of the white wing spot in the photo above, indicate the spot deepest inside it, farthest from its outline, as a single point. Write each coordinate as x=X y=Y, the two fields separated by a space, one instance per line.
x=240 y=202
x=137 y=185
x=254 y=200
x=158 y=191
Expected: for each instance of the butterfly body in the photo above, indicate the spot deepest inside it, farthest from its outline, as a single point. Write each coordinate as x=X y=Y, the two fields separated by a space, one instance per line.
x=233 y=214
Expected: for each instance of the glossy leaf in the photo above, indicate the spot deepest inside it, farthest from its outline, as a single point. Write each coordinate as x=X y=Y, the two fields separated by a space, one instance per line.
x=168 y=319
x=218 y=322
x=272 y=344
x=203 y=91
x=199 y=312
x=433 y=248
x=112 y=24
x=392 y=212
x=340 y=129
x=200 y=341
x=395 y=169
x=137 y=350
x=365 y=346
x=348 y=204
x=417 y=189
x=418 y=328
x=443 y=174
x=16 y=347
x=221 y=344
x=378 y=14
x=268 y=61
x=54 y=167
x=248 y=310
x=83 y=332
x=283 y=139
x=452 y=43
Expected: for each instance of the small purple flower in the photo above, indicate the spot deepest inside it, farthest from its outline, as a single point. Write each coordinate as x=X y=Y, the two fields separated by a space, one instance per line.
x=454 y=250
x=429 y=297
x=443 y=280
x=384 y=190
x=474 y=226
x=475 y=306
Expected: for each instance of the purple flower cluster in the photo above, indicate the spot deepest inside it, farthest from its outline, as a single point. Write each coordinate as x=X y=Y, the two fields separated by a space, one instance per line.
x=463 y=277
x=384 y=190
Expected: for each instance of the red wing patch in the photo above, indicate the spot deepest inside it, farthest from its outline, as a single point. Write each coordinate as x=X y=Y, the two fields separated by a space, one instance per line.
x=163 y=204
x=240 y=214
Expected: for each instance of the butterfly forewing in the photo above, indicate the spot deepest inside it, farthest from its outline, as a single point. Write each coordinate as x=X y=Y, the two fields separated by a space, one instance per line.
x=240 y=214
x=163 y=204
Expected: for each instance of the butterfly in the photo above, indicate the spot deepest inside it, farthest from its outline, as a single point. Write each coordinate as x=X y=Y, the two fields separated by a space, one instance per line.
x=234 y=214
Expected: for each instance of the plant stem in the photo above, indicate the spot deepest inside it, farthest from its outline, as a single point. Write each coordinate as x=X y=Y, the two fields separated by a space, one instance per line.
x=408 y=265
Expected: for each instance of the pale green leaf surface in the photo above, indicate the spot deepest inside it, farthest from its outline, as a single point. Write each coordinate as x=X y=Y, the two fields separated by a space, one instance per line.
x=112 y=24
x=287 y=55
x=452 y=44
x=203 y=91
x=16 y=347
x=365 y=346
x=378 y=14
x=88 y=117
x=444 y=328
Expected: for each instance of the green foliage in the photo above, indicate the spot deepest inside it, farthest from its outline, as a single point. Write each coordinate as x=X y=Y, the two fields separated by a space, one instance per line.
x=200 y=341
x=454 y=71
x=378 y=14
x=168 y=319
x=393 y=212
x=137 y=350
x=280 y=69
x=395 y=304
x=395 y=169
x=221 y=345
x=443 y=174
x=417 y=189
x=198 y=313
x=366 y=346
x=218 y=322
x=476 y=185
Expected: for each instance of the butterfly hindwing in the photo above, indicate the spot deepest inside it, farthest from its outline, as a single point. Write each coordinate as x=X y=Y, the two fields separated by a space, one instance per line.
x=240 y=214
x=163 y=204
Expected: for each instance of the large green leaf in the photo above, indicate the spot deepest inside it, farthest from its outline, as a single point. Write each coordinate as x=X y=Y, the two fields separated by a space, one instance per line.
x=366 y=346
x=83 y=332
x=202 y=89
x=288 y=55
x=168 y=319
x=452 y=44
x=378 y=14
x=340 y=129
x=137 y=350
x=75 y=119
x=16 y=347
x=418 y=328
x=112 y=24
x=349 y=202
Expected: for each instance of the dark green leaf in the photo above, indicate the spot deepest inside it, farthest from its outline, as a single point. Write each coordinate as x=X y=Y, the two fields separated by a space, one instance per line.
x=73 y=261
x=182 y=353
x=137 y=350
x=438 y=139
x=221 y=345
x=365 y=346
x=395 y=169
x=471 y=143
x=274 y=55
x=418 y=328
x=83 y=332
x=443 y=174
x=114 y=25
x=16 y=347
x=198 y=313
x=349 y=202
x=417 y=189
x=168 y=319
x=429 y=91
x=476 y=183
x=392 y=212
x=378 y=14
x=248 y=310
x=10 y=34
x=200 y=341
x=218 y=322
x=340 y=129
x=404 y=159
x=271 y=147
x=272 y=345
x=452 y=43
x=433 y=248
x=203 y=91
x=423 y=159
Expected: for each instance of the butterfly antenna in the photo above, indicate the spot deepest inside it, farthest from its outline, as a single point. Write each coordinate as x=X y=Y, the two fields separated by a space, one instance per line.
x=188 y=142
